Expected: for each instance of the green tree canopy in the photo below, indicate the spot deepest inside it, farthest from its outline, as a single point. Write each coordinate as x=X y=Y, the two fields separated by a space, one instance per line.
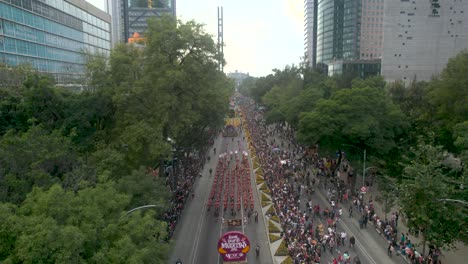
x=448 y=95
x=88 y=226
x=423 y=195
x=33 y=158
x=365 y=117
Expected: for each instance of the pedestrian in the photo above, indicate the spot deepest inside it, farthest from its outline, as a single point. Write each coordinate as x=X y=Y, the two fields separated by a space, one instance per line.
x=352 y=240
x=343 y=237
x=390 y=249
x=350 y=211
x=256 y=217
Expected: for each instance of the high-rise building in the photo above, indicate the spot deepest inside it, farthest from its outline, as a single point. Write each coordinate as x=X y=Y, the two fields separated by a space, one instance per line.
x=113 y=8
x=130 y=16
x=238 y=77
x=338 y=30
x=53 y=36
x=344 y=35
x=310 y=31
x=421 y=36
x=372 y=13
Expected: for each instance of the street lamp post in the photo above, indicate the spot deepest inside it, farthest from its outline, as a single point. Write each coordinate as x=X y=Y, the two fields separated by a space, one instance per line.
x=363 y=164
x=455 y=201
x=144 y=207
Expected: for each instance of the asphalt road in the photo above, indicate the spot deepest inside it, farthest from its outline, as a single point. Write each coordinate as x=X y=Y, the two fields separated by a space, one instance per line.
x=198 y=231
x=370 y=247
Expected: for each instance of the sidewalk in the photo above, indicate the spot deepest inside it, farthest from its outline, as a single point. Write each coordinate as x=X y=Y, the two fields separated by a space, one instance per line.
x=459 y=255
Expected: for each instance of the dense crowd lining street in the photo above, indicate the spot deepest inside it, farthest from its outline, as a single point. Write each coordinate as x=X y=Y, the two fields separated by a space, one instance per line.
x=323 y=221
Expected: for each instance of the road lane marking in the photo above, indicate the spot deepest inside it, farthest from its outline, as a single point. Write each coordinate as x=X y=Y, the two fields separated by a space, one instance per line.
x=351 y=233
x=202 y=218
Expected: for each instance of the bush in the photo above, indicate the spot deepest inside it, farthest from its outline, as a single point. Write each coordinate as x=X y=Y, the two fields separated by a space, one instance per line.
x=288 y=260
x=273 y=237
x=282 y=250
x=275 y=218
x=272 y=228
x=271 y=211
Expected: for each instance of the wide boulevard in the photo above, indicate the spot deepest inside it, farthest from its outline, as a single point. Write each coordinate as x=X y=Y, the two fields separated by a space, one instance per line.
x=198 y=230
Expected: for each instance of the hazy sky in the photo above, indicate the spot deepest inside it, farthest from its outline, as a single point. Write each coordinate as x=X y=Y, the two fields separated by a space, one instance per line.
x=259 y=35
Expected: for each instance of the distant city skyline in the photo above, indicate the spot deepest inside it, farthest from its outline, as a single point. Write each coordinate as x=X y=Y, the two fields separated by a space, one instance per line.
x=259 y=35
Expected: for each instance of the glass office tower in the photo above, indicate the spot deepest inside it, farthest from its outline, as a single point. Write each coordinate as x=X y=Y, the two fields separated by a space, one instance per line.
x=130 y=16
x=338 y=30
x=53 y=36
x=310 y=31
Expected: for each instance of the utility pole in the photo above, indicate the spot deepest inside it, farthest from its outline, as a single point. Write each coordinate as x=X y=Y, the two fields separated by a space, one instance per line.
x=363 y=151
x=364 y=170
x=220 y=39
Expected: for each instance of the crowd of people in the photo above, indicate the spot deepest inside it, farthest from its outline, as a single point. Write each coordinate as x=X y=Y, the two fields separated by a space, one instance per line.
x=292 y=173
x=184 y=174
x=285 y=173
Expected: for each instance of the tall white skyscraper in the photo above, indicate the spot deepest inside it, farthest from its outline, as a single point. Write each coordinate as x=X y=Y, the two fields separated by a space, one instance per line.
x=371 y=41
x=421 y=36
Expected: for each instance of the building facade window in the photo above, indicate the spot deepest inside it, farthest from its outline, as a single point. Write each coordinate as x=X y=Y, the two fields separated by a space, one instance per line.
x=52 y=36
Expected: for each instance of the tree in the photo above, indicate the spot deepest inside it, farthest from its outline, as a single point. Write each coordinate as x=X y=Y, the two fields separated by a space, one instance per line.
x=126 y=65
x=388 y=190
x=364 y=117
x=374 y=81
x=423 y=192
x=42 y=103
x=97 y=71
x=12 y=115
x=144 y=189
x=88 y=226
x=88 y=119
x=247 y=85
x=448 y=96
x=179 y=87
x=460 y=137
x=34 y=158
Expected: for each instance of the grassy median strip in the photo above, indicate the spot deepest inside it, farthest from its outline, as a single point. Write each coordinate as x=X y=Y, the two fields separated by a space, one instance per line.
x=259 y=177
x=260 y=180
x=271 y=211
x=273 y=237
x=272 y=228
x=275 y=218
x=282 y=250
